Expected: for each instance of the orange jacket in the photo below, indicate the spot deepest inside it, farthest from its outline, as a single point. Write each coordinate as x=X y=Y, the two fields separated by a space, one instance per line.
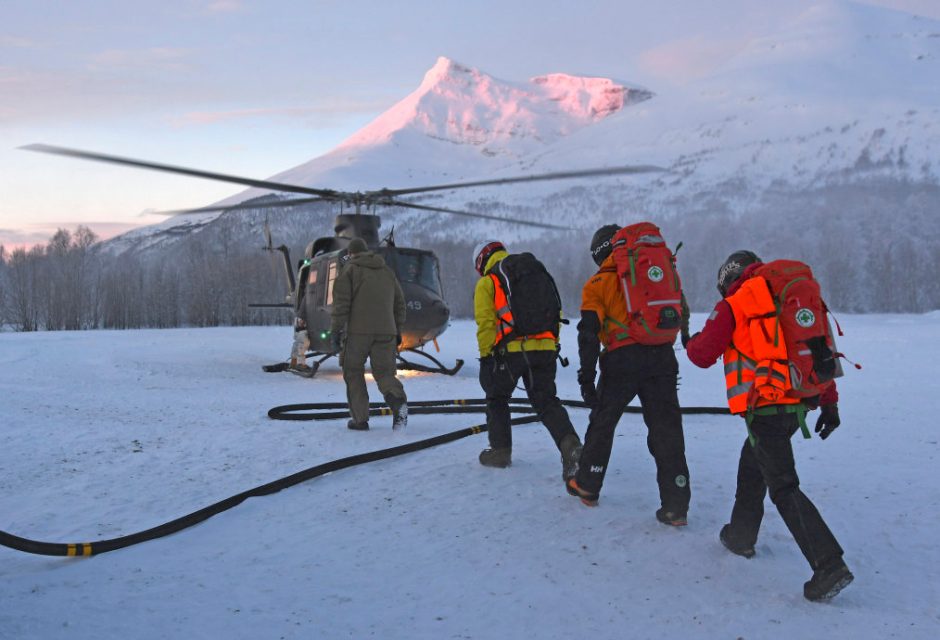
x=603 y=295
x=756 y=371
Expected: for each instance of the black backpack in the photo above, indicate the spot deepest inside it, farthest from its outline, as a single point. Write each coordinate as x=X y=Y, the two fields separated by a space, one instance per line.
x=531 y=293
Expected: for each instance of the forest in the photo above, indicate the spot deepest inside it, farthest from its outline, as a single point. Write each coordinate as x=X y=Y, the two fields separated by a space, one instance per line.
x=874 y=248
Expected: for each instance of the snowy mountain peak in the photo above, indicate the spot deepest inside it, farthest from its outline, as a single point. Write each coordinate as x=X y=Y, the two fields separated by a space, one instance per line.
x=459 y=104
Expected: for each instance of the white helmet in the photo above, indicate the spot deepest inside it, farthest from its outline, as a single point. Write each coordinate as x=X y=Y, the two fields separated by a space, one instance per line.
x=483 y=251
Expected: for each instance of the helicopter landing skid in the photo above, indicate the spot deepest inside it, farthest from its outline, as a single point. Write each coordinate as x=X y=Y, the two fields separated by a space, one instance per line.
x=405 y=365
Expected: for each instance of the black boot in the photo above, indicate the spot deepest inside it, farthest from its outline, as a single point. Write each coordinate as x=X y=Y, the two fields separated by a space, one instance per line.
x=827 y=582
x=672 y=517
x=744 y=550
x=570 y=456
x=500 y=458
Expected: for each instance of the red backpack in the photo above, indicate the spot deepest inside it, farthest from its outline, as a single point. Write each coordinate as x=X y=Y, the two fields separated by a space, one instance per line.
x=650 y=284
x=800 y=320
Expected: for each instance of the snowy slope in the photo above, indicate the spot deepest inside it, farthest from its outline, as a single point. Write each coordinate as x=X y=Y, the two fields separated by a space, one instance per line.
x=107 y=433
x=847 y=94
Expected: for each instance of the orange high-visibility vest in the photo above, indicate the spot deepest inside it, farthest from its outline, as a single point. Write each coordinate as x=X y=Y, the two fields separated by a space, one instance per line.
x=504 y=316
x=757 y=373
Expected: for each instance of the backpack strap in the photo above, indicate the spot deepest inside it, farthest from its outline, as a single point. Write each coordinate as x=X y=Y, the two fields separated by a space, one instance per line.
x=799 y=409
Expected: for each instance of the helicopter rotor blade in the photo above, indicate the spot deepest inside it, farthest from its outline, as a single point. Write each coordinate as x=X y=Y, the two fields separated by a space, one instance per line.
x=209 y=175
x=558 y=175
x=412 y=205
x=241 y=206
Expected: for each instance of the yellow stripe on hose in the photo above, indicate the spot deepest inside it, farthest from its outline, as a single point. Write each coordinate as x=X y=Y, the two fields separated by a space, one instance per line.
x=71 y=550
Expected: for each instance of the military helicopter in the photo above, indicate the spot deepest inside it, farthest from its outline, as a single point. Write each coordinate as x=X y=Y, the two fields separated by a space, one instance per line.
x=418 y=270
x=311 y=292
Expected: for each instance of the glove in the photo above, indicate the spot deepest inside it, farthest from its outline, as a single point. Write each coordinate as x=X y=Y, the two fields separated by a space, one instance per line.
x=398 y=340
x=686 y=339
x=299 y=324
x=828 y=420
x=588 y=390
x=336 y=341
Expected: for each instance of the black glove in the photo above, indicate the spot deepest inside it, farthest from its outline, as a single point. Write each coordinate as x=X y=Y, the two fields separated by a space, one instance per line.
x=588 y=390
x=398 y=340
x=336 y=341
x=686 y=339
x=828 y=420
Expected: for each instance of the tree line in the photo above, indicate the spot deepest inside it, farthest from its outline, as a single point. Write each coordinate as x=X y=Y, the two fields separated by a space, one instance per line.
x=873 y=248
x=70 y=284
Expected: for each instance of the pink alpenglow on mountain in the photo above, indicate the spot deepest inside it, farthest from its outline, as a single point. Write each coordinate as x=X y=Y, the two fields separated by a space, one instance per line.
x=463 y=105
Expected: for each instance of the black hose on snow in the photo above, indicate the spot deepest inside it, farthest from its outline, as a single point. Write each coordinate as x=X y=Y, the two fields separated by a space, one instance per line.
x=315 y=411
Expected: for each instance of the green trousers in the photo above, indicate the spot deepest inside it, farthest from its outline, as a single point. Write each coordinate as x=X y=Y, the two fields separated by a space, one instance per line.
x=381 y=351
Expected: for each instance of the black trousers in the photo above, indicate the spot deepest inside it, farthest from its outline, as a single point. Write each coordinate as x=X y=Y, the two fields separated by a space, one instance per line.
x=769 y=465
x=651 y=373
x=537 y=371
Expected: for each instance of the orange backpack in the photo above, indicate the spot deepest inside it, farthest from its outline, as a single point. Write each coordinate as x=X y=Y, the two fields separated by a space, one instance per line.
x=650 y=284
x=796 y=316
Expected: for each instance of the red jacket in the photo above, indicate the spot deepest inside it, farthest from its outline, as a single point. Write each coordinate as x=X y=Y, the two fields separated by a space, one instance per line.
x=708 y=345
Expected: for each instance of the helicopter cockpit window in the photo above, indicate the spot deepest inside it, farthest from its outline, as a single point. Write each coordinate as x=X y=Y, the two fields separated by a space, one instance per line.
x=331 y=278
x=420 y=269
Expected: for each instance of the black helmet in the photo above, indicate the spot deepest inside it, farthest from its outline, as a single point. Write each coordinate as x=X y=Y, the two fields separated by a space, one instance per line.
x=483 y=251
x=600 y=243
x=732 y=269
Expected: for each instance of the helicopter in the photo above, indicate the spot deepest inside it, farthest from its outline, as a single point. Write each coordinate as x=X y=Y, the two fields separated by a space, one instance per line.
x=310 y=293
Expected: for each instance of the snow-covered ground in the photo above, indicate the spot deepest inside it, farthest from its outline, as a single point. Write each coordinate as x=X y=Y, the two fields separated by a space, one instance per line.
x=107 y=433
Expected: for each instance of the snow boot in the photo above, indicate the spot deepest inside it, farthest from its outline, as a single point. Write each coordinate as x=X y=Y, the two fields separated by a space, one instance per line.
x=358 y=426
x=570 y=456
x=671 y=517
x=399 y=407
x=827 y=582
x=588 y=498
x=499 y=458
x=743 y=550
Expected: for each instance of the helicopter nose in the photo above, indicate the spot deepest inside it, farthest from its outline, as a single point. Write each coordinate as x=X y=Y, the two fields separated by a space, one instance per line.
x=441 y=309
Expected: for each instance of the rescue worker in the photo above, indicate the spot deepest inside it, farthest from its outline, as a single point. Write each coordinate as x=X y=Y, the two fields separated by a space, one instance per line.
x=368 y=313
x=766 y=461
x=504 y=361
x=627 y=370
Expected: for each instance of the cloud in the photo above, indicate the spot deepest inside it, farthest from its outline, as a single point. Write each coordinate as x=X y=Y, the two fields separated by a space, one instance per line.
x=225 y=6
x=35 y=234
x=161 y=58
x=685 y=59
x=17 y=42
x=317 y=117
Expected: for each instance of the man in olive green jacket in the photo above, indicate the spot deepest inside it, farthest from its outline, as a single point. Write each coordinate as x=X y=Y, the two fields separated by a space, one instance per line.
x=367 y=317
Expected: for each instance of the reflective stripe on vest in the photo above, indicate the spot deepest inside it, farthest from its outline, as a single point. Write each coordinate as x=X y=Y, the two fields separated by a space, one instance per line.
x=504 y=316
x=751 y=383
x=739 y=378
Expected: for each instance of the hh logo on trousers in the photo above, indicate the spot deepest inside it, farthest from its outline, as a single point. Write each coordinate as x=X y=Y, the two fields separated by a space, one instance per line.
x=597 y=468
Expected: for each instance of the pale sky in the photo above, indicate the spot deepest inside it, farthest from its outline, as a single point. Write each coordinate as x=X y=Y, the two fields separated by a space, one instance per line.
x=253 y=88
